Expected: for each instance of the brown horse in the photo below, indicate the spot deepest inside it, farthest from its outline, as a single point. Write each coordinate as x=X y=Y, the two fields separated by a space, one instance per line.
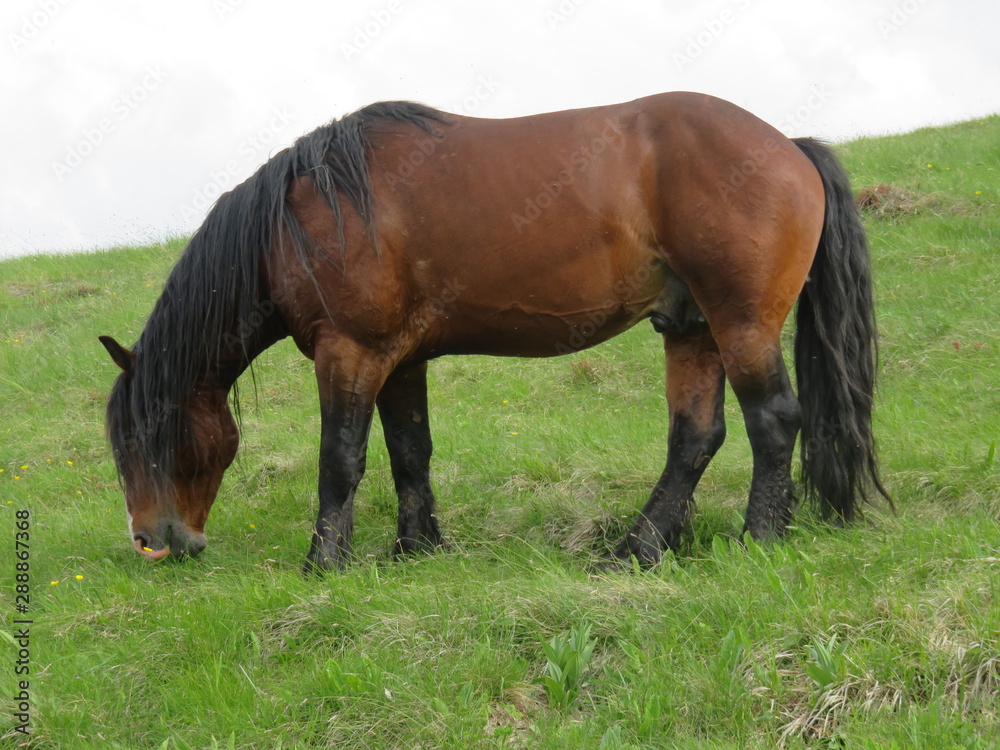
x=399 y=234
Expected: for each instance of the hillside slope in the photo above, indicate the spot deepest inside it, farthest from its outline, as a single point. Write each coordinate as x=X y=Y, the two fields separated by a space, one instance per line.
x=880 y=635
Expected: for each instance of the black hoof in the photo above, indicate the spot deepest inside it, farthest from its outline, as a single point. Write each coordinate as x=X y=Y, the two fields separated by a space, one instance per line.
x=612 y=564
x=324 y=556
x=407 y=546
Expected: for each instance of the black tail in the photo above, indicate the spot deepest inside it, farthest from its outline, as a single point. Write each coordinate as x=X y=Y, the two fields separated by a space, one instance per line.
x=836 y=353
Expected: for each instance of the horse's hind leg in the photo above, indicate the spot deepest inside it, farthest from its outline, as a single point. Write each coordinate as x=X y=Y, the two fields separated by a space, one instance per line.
x=772 y=415
x=402 y=407
x=695 y=392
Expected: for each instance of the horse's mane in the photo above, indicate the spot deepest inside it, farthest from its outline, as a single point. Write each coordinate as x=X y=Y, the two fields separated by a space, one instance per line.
x=219 y=281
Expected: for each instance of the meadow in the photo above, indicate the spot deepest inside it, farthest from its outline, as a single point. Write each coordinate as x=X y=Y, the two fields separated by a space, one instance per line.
x=884 y=634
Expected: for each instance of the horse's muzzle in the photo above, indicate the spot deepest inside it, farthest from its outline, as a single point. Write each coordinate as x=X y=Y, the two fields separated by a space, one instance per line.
x=176 y=539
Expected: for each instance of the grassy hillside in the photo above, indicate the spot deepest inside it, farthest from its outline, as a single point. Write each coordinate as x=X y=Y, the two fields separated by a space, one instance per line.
x=882 y=635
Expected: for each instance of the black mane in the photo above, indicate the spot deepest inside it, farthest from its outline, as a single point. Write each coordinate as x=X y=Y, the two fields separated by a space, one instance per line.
x=219 y=282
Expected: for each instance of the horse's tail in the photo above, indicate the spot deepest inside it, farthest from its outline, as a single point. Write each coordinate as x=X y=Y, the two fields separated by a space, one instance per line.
x=836 y=353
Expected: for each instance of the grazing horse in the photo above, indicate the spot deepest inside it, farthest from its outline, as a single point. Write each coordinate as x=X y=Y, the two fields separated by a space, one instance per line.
x=399 y=233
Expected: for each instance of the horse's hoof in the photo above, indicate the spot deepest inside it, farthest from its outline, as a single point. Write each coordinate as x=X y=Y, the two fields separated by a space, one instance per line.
x=613 y=564
x=318 y=562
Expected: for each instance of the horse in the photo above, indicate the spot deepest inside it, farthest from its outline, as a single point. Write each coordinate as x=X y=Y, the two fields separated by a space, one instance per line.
x=400 y=233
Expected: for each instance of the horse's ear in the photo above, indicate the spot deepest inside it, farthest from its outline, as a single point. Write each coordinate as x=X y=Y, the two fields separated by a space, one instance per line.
x=122 y=356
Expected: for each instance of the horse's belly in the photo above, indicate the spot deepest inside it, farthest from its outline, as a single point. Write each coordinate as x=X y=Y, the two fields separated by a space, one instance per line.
x=536 y=324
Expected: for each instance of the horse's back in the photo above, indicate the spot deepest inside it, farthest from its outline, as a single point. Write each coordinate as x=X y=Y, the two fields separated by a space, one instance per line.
x=543 y=234
x=520 y=234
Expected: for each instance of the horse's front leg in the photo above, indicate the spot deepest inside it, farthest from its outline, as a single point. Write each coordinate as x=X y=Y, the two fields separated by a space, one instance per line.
x=402 y=407
x=349 y=380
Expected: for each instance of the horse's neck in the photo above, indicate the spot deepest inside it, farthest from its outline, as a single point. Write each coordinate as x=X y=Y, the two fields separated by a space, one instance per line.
x=239 y=349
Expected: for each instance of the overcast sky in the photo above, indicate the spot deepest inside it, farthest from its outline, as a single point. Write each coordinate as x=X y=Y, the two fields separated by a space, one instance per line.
x=125 y=119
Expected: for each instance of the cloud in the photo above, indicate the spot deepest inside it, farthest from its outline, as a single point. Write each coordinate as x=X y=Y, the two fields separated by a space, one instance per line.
x=146 y=152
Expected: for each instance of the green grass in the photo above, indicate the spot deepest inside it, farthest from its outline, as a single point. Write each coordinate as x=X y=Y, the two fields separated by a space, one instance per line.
x=881 y=635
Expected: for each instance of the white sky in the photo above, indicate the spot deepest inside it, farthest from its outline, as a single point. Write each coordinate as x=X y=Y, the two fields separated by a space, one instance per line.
x=123 y=118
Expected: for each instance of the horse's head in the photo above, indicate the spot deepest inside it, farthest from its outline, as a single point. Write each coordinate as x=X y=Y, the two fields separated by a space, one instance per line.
x=170 y=457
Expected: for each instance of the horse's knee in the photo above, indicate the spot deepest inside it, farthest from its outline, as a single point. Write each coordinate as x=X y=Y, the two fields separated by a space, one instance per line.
x=693 y=444
x=715 y=436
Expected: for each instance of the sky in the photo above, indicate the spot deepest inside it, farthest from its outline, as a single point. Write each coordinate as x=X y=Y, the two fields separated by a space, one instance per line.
x=125 y=119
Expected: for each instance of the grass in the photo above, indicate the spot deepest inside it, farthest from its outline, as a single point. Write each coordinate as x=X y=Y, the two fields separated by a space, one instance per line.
x=881 y=635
